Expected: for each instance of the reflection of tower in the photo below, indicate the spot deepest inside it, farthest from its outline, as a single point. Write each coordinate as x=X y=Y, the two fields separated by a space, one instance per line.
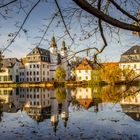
x=65 y=109
x=54 y=112
x=65 y=112
x=96 y=107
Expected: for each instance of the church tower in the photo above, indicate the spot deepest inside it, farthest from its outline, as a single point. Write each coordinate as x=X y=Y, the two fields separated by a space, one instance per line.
x=53 y=47
x=63 y=49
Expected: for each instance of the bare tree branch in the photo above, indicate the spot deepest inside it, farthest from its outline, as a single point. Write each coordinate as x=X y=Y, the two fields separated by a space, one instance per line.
x=21 y=26
x=123 y=11
x=102 y=34
x=99 y=14
x=63 y=20
x=8 y=3
x=46 y=29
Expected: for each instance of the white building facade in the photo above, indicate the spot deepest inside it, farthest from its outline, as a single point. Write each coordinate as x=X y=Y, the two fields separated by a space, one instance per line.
x=83 y=71
x=10 y=70
x=131 y=59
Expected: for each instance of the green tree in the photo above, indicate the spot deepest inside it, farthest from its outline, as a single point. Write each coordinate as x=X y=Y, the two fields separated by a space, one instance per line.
x=60 y=73
x=128 y=74
x=60 y=94
x=110 y=73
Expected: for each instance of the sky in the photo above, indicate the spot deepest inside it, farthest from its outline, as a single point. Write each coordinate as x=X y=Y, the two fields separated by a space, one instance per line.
x=40 y=18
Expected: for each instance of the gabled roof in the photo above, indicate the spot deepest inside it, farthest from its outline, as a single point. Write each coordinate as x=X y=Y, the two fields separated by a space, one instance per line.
x=9 y=62
x=132 y=51
x=39 y=51
x=86 y=103
x=84 y=65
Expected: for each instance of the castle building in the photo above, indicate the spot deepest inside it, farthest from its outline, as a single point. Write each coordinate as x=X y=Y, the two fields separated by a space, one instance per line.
x=39 y=65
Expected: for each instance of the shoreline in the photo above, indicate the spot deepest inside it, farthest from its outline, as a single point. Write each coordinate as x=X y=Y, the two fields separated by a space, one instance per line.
x=72 y=84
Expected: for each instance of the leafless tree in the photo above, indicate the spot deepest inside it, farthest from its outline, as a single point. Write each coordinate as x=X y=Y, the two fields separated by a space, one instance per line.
x=92 y=18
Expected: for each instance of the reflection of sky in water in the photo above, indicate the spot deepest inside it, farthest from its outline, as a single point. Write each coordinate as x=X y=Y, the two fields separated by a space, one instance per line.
x=108 y=122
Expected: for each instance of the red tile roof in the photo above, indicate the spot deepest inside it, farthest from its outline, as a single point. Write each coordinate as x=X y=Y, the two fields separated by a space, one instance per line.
x=85 y=65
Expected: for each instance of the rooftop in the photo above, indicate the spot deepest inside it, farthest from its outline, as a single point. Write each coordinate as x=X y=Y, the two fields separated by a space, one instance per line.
x=132 y=51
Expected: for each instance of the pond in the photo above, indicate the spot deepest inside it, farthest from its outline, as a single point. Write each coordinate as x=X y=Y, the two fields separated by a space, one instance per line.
x=82 y=113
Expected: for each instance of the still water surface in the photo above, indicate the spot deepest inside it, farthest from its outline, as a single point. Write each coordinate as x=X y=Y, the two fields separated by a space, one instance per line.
x=99 y=113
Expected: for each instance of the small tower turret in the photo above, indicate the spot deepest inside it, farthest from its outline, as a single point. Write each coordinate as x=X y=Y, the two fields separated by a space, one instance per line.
x=53 y=47
x=63 y=49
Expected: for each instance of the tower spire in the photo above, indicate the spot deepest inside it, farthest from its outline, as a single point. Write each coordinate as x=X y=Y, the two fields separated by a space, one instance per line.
x=53 y=43
x=63 y=48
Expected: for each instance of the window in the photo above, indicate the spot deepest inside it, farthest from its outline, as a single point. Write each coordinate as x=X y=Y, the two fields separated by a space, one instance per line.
x=31 y=79
x=43 y=72
x=34 y=72
x=27 y=73
x=86 y=77
x=30 y=73
x=0 y=78
x=34 y=66
x=37 y=66
x=10 y=77
x=5 y=78
x=47 y=72
x=30 y=66
x=37 y=79
x=27 y=79
x=34 y=78
x=43 y=65
x=86 y=71
x=37 y=72
x=47 y=66
x=79 y=71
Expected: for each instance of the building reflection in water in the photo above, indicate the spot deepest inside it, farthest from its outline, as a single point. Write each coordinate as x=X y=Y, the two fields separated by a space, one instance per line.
x=86 y=98
x=38 y=103
x=131 y=106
